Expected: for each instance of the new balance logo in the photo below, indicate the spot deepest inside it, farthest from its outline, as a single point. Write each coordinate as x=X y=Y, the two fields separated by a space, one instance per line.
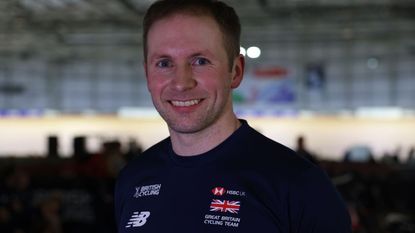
x=138 y=219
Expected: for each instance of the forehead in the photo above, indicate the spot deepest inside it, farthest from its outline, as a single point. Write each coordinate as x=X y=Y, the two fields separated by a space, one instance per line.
x=185 y=21
x=184 y=30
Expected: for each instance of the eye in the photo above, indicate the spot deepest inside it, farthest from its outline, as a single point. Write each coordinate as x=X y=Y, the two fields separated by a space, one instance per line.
x=200 y=61
x=164 y=63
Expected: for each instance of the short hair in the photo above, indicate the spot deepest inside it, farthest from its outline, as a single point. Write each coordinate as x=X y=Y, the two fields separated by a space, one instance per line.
x=224 y=15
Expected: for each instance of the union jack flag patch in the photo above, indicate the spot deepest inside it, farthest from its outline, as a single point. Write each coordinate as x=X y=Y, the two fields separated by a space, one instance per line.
x=225 y=206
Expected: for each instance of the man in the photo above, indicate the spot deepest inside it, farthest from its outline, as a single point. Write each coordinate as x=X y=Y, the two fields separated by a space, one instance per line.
x=214 y=173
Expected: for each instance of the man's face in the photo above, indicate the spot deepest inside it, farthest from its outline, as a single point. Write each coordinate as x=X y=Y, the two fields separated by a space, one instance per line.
x=188 y=73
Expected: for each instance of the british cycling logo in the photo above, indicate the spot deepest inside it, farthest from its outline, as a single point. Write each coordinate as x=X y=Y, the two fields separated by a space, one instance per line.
x=138 y=219
x=148 y=190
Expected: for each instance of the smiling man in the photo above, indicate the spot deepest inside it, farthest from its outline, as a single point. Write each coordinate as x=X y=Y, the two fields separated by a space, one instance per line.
x=214 y=173
x=190 y=77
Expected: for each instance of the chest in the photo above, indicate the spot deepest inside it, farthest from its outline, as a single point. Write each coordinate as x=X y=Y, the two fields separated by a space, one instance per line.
x=200 y=200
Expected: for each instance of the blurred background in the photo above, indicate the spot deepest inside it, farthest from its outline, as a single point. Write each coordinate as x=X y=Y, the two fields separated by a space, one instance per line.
x=334 y=80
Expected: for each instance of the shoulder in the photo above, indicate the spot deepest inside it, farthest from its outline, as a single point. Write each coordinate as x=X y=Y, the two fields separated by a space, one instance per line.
x=149 y=159
x=306 y=186
x=284 y=166
x=269 y=155
x=149 y=164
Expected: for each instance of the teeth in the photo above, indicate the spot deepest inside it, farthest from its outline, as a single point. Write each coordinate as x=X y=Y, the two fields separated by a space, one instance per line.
x=185 y=103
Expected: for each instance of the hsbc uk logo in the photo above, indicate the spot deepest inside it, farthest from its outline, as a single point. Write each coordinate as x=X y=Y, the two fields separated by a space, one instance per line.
x=220 y=191
x=224 y=212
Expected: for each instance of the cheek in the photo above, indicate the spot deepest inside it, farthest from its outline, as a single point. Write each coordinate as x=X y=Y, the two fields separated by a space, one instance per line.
x=216 y=80
x=155 y=83
x=154 y=88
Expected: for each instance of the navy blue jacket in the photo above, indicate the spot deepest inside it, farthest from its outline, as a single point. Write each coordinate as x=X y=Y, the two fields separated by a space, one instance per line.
x=247 y=184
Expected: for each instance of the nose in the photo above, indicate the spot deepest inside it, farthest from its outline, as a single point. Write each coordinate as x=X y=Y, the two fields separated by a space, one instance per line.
x=184 y=79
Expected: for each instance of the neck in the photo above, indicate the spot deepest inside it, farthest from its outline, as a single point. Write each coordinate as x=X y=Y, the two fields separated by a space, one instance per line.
x=205 y=140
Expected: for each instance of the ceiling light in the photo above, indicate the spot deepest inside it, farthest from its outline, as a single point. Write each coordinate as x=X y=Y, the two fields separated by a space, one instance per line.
x=253 y=52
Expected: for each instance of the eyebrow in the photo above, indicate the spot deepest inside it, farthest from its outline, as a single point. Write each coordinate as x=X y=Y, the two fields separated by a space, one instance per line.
x=158 y=56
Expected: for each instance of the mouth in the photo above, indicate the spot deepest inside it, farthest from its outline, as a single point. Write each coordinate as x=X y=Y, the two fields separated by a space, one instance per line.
x=187 y=103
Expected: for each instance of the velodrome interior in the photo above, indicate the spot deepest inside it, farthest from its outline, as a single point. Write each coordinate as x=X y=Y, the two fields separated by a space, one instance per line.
x=340 y=73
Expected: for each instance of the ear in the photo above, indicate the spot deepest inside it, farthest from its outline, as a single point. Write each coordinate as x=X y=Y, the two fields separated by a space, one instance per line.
x=238 y=71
